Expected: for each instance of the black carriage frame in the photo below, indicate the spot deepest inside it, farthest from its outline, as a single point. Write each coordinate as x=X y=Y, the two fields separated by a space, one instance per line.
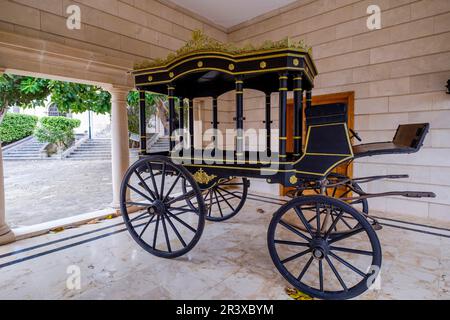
x=203 y=73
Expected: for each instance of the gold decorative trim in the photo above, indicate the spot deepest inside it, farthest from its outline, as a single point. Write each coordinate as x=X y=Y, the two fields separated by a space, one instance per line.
x=293 y=179
x=202 y=177
x=150 y=78
x=231 y=67
x=171 y=74
x=263 y=65
x=296 y=62
x=200 y=64
x=201 y=42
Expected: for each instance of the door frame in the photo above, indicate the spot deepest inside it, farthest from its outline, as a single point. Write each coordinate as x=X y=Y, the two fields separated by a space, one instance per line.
x=347 y=97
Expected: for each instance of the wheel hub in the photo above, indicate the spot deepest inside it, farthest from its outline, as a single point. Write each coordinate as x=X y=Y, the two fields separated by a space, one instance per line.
x=319 y=248
x=157 y=207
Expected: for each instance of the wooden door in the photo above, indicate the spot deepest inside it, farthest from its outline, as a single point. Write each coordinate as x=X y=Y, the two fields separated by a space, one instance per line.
x=343 y=97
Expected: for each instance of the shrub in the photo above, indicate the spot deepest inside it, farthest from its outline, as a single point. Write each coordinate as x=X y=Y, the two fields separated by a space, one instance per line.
x=57 y=130
x=17 y=126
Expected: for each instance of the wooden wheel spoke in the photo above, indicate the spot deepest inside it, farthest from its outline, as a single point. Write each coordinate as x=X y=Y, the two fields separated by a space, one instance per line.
x=350 y=250
x=152 y=176
x=144 y=184
x=294 y=230
x=172 y=187
x=166 y=234
x=348 y=265
x=318 y=219
x=345 y=235
x=295 y=256
x=184 y=210
x=146 y=226
x=155 y=235
x=181 y=221
x=336 y=273
x=139 y=204
x=228 y=203
x=302 y=218
x=291 y=243
x=163 y=180
x=218 y=204
x=334 y=223
x=210 y=203
x=230 y=193
x=138 y=217
x=321 y=275
x=176 y=231
x=139 y=192
x=305 y=268
x=185 y=196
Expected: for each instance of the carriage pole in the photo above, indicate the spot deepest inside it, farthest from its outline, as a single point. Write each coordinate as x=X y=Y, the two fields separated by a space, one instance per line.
x=191 y=126
x=181 y=123
x=298 y=114
x=283 y=114
x=170 y=93
x=268 y=122
x=240 y=118
x=215 y=122
x=142 y=123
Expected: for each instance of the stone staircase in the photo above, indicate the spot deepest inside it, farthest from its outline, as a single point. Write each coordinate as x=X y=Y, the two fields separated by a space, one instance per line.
x=160 y=145
x=92 y=149
x=28 y=150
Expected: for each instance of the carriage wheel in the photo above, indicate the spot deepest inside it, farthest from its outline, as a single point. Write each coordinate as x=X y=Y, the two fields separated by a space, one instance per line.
x=340 y=192
x=317 y=261
x=344 y=191
x=225 y=199
x=164 y=224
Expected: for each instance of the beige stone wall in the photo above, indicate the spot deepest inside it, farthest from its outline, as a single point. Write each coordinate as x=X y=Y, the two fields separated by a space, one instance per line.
x=114 y=33
x=398 y=74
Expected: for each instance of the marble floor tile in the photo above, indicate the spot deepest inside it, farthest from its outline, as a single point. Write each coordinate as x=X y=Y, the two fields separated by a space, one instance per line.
x=231 y=261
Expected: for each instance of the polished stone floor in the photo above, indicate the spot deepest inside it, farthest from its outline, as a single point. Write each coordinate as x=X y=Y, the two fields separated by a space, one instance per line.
x=231 y=261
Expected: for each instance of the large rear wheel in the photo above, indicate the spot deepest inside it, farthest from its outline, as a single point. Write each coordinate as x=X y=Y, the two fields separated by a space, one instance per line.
x=153 y=205
x=315 y=259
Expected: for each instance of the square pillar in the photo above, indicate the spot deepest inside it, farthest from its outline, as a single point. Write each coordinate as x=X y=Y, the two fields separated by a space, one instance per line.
x=6 y=235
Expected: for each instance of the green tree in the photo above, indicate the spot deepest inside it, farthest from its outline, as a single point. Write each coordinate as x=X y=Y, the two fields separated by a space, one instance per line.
x=20 y=91
x=78 y=98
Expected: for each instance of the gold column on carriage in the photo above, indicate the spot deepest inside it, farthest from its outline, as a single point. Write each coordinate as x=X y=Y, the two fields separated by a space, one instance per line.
x=298 y=114
x=283 y=79
x=171 y=97
x=240 y=119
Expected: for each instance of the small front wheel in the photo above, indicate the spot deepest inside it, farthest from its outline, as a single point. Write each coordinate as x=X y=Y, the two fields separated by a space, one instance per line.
x=225 y=199
x=153 y=205
x=316 y=260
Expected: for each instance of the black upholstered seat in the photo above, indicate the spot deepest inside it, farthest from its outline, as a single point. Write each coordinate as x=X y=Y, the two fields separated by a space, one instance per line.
x=408 y=139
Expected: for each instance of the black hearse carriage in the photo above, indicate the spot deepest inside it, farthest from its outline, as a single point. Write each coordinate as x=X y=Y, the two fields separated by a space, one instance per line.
x=324 y=244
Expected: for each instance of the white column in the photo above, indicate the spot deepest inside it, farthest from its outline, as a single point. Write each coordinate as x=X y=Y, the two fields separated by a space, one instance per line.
x=119 y=138
x=6 y=235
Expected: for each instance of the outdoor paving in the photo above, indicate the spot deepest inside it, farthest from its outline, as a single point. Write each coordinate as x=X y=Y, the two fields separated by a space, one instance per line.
x=231 y=261
x=40 y=191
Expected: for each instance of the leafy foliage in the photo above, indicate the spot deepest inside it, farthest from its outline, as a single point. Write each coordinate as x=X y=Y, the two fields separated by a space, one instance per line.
x=57 y=130
x=29 y=92
x=78 y=98
x=17 y=126
x=22 y=91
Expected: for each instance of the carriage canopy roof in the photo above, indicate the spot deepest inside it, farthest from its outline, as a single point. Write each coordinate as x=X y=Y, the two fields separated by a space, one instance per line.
x=206 y=67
